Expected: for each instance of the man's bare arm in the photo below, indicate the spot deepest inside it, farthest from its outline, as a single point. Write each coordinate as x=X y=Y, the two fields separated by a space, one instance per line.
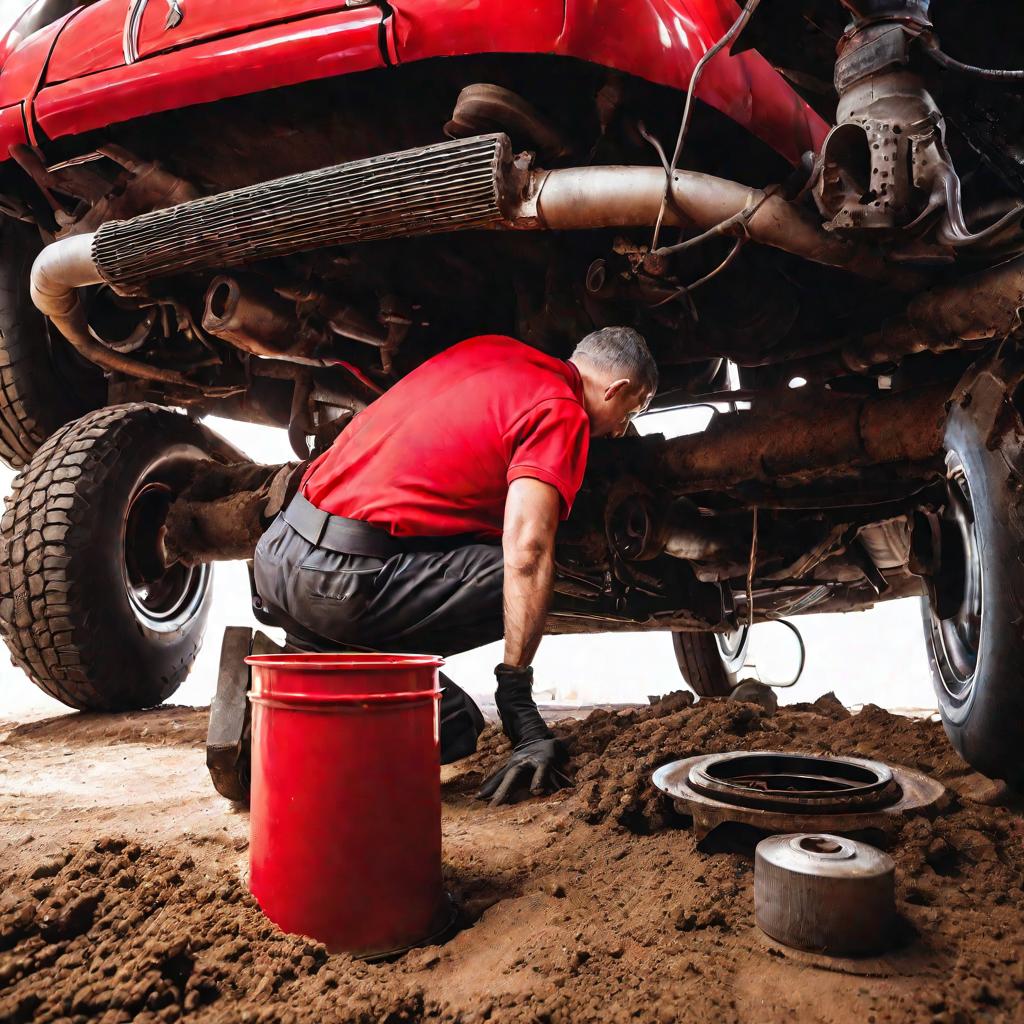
x=528 y=542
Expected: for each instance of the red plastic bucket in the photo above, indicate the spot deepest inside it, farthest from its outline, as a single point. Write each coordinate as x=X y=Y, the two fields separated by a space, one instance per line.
x=345 y=805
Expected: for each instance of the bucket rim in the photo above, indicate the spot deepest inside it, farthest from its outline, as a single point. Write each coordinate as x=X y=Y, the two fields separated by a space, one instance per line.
x=321 y=701
x=345 y=662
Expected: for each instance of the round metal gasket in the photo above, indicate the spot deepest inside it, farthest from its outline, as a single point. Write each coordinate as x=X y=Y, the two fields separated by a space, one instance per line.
x=782 y=782
x=739 y=797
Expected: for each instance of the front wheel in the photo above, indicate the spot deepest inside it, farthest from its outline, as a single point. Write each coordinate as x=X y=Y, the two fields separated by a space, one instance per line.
x=87 y=606
x=710 y=662
x=974 y=610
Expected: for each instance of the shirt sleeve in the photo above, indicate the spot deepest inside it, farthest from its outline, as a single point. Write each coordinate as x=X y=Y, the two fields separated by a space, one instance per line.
x=550 y=444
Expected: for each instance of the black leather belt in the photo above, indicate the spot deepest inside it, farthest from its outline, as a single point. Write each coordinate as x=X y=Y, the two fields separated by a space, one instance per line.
x=354 y=537
x=336 y=533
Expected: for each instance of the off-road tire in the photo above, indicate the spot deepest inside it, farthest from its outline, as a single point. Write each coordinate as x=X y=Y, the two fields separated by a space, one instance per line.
x=982 y=708
x=703 y=666
x=66 y=610
x=42 y=386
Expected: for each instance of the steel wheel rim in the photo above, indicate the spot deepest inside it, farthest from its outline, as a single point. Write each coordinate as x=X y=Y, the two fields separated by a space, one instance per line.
x=957 y=638
x=162 y=599
x=732 y=646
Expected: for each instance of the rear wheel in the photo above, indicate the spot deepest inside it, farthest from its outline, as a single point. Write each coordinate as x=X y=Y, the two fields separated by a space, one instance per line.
x=43 y=383
x=710 y=662
x=87 y=606
x=975 y=603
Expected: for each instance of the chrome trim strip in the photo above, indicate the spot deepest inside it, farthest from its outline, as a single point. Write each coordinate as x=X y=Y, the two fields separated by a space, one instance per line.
x=132 y=28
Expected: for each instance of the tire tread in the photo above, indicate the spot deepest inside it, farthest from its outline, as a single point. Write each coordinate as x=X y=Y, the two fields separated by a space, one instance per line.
x=700 y=663
x=45 y=614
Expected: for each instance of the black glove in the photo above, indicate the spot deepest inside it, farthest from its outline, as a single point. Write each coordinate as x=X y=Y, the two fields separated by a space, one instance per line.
x=535 y=762
x=514 y=697
x=536 y=753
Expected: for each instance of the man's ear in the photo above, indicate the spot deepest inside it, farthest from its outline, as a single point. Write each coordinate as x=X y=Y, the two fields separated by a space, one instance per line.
x=615 y=387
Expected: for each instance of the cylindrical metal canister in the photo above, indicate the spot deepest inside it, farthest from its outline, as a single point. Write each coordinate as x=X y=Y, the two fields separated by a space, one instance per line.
x=824 y=893
x=345 y=807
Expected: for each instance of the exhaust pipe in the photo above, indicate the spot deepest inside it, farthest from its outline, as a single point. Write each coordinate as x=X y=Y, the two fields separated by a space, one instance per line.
x=59 y=270
x=580 y=198
x=466 y=184
x=453 y=186
x=251 y=318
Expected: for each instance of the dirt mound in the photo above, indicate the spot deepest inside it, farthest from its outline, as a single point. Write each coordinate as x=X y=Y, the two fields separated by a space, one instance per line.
x=167 y=725
x=584 y=907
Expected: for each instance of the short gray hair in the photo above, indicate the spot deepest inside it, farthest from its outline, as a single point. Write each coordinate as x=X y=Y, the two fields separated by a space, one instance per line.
x=623 y=351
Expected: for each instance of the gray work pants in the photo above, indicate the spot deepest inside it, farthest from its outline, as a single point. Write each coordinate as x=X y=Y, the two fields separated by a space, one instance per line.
x=419 y=601
x=414 y=602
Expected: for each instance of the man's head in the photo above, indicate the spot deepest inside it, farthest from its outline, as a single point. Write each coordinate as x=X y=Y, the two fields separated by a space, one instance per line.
x=619 y=378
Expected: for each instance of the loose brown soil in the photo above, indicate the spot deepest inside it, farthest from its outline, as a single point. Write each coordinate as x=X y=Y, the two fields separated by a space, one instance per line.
x=124 y=895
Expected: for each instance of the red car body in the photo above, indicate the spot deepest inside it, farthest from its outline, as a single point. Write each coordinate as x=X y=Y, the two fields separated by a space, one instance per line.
x=103 y=64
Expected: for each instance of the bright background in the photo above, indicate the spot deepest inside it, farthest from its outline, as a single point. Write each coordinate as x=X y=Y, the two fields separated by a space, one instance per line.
x=876 y=656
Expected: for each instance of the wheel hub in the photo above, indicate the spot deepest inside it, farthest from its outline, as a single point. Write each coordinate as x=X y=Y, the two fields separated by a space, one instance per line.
x=162 y=597
x=957 y=606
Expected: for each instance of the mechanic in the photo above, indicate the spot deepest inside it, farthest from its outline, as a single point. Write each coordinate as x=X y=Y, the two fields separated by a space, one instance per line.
x=429 y=525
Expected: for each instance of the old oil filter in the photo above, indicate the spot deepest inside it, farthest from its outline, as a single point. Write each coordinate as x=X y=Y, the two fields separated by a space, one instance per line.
x=824 y=893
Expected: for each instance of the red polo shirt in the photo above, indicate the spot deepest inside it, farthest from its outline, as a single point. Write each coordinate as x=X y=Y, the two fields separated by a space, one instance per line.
x=434 y=456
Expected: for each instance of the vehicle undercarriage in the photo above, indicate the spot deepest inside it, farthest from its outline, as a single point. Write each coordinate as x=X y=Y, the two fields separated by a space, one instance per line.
x=294 y=253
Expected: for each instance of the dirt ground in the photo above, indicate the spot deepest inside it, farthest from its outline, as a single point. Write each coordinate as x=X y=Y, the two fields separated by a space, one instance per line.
x=123 y=891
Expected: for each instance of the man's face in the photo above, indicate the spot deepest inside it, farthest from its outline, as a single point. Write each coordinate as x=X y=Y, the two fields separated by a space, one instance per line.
x=618 y=406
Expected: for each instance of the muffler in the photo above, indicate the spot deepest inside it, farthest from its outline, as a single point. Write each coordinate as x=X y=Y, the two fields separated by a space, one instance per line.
x=253 y=319
x=452 y=186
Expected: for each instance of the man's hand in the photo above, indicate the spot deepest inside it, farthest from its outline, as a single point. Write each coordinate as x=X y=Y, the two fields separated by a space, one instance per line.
x=528 y=540
x=536 y=762
x=536 y=754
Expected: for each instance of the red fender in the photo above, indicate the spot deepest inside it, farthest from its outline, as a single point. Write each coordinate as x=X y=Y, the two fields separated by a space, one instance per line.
x=22 y=75
x=245 y=47
x=265 y=58
x=660 y=40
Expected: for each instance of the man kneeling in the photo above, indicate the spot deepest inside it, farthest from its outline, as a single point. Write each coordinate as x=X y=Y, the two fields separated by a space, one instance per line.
x=429 y=525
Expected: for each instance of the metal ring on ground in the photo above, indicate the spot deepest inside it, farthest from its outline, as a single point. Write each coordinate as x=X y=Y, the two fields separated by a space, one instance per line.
x=713 y=789
x=778 y=781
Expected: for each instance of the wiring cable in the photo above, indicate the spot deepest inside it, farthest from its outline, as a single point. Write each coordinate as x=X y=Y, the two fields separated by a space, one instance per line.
x=750 y=569
x=734 y=225
x=686 y=289
x=931 y=46
x=737 y=26
x=658 y=148
x=803 y=655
